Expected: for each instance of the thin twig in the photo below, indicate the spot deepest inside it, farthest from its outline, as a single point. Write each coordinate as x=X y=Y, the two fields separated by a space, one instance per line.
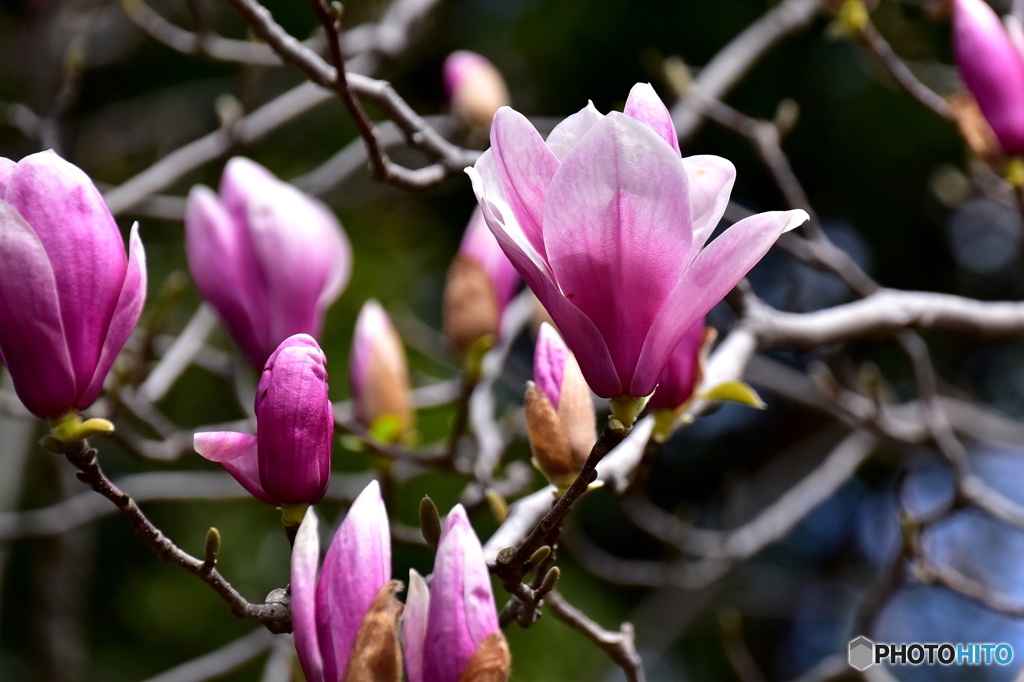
x=620 y=646
x=276 y=615
x=901 y=74
x=734 y=60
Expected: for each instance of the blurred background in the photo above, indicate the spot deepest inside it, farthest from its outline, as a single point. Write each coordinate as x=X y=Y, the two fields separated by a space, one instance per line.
x=887 y=177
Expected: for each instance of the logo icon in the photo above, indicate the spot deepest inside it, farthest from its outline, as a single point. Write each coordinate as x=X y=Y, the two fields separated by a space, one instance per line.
x=862 y=653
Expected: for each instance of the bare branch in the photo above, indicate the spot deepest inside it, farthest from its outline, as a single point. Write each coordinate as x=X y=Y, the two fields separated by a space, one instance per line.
x=203 y=44
x=449 y=158
x=149 y=487
x=179 y=356
x=772 y=524
x=386 y=39
x=901 y=74
x=620 y=646
x=733 y=61
x=525 y=513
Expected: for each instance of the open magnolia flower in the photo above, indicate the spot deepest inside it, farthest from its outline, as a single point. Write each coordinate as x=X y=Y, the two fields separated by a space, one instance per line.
x=607 y=225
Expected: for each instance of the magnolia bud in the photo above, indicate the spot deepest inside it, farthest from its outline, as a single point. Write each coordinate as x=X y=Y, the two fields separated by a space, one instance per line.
x=683 y=371
x=481 y=282
x=559 y=412
x=378 y=375
x=344 y=619
x=475 y=89
x=992 y=67
x=451 y=630
x=269 y=258
x=288 y=461
x=69 y=297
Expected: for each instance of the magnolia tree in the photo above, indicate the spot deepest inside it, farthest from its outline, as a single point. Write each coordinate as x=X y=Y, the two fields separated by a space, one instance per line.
x=597 y=397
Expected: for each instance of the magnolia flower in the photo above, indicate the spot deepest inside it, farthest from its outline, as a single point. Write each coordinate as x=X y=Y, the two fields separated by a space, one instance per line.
x=559 y=413
x=991 y=62
x=474 y=89
x=288 y=461
x=378 y=375
x=607 y=225
x=481 y=282
x=451 y=630
x=69 y=297
x=682 y=373
x=269 y=258
x=345 y=620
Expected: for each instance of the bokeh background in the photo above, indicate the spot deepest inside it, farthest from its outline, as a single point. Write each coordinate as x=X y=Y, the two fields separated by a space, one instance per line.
x=885 y=174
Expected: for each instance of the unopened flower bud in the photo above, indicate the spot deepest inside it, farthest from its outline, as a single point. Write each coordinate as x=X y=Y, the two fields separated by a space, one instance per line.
x=288 y=461
x=481 y=282
x=992 y=67
x=378 y=375
x=684 y=369
x=69 y=297
x=559 y=412
x=269 y=258
x=345 y=619
x=475 y=89
x=451 y=630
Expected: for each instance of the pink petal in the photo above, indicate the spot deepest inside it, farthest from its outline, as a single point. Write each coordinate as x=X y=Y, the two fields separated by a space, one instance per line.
x=306 y=259
x=676 y=382
x=526 y=166
x=644 y=105
x=579 y=331
x=481 y=614
x=450 y=642
x=224 y=267
x=295 y=422
x=571 y=130
x=31 y=335
x=126 y=316
x=6 y=167
x=414 y=626
x=617 y=230
x=549 y=362
x=237 y=452
x=84 y=246
x=360 y=564
x=305 y=556
x=711 y=179
x=713 y=273
x=992 y=70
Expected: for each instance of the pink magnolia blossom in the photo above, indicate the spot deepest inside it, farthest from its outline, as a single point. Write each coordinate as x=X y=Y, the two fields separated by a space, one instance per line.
x=607 y=225
x=328 y=609
x=681 y=373
x=445 y=624
x=69 y=298
x=269 y=258
x=991 y=62
x=288 y=461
